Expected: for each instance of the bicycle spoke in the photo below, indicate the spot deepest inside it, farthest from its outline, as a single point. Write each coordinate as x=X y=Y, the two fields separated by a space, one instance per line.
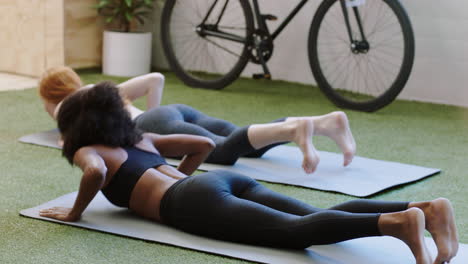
x=361 y=76
x=202 y=57
x=388 y=41
x=378 y=16
x=382 y=59
x=221 y=47
x=375 y=68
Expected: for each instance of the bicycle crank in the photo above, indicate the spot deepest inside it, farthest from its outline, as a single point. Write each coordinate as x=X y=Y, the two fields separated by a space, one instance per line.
x=261 y=48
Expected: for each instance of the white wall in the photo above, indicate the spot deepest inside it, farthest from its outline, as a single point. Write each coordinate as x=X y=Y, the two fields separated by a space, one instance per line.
x=440 y=72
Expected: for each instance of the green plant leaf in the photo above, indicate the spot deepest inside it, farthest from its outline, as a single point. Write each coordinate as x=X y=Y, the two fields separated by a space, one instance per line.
x=103 y=3
x=123 y=12
x=144 y=4
x=128 y=16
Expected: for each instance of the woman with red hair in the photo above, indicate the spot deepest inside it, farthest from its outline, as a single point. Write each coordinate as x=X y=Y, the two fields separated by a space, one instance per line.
x=231 y=141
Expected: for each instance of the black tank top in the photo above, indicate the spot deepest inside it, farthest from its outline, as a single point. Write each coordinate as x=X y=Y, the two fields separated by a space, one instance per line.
x=120 y=188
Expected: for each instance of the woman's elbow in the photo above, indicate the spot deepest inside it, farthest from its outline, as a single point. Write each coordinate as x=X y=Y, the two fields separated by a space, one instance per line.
x=96 y=174
x=156 y=77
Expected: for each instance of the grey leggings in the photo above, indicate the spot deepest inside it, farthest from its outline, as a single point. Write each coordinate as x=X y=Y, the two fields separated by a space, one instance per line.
x=230 y=206
x=231 y=141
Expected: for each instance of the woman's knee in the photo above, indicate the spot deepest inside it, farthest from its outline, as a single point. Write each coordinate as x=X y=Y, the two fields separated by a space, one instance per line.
x=221 y=158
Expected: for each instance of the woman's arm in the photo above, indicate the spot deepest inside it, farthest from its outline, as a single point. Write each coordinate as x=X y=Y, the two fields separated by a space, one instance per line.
x=94 y=174
x=194 y=149
x=50 y=108
x=151 y=85
x=56 y=110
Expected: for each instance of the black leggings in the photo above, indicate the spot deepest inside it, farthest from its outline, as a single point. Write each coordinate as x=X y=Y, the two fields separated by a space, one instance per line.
x=231 y=141
x=233 y=207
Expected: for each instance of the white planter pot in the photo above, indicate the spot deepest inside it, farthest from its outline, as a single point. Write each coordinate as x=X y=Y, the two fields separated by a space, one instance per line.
x=126 y=54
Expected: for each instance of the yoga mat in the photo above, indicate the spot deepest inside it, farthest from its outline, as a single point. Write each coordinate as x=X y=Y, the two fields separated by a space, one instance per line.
x=103 y=216
x=282 y=164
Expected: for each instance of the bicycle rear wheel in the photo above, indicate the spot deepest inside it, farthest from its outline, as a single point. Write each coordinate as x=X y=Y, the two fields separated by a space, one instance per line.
x=365 y=78
x=207 y=60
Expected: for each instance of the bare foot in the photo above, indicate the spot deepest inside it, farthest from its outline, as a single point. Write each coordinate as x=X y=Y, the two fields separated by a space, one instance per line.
x=440 y=222
x=336 y=126
x=303 y=138
x=408 y=226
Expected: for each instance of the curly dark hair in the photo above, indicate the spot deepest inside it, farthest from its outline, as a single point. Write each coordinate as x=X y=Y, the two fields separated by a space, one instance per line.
x=95 y=116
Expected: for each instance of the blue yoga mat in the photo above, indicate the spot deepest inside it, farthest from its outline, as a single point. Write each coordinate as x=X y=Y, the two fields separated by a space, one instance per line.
x=363 y=177
x=103 y=216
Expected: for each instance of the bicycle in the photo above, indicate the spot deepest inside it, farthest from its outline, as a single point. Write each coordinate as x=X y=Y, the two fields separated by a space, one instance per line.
x=361 y=52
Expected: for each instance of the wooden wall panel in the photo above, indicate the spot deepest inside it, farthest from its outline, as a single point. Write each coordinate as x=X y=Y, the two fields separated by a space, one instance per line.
x=32 y=36
x=38 y=34
x=83 y=34
x=54 y=33
x=22 y=40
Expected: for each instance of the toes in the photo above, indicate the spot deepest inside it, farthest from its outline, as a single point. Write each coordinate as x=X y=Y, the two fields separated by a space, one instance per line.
x=348 y=157
x=308 y=168
x=310 y=164
x=438 y=261
x=444 y=256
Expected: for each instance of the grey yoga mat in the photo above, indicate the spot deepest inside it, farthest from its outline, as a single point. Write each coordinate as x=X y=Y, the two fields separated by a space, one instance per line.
x=282 y=164
x=103 y=216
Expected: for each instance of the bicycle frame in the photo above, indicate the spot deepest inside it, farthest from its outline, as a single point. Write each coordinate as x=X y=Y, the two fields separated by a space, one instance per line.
x=262 y=26
x=260 y=22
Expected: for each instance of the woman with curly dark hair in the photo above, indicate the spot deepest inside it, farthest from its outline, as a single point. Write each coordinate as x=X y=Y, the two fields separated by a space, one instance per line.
x=128 y=167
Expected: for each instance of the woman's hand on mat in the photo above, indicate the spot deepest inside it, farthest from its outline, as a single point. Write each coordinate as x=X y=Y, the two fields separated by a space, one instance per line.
x=59 y=213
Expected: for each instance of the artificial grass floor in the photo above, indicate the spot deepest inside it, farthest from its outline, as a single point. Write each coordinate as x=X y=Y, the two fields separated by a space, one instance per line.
x=417 y=133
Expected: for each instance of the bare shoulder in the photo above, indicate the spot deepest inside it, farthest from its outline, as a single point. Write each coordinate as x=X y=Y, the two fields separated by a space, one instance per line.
x=87 y=150
x=89 y=154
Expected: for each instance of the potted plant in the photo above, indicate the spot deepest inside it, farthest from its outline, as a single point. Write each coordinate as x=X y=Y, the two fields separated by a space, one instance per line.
x=126 y=48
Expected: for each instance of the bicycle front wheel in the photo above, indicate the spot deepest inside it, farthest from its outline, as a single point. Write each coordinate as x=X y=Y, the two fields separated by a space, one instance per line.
x=206 y=41
x=363 y=65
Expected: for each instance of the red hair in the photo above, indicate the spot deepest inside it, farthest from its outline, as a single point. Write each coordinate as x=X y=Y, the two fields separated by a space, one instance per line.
x=58 y=82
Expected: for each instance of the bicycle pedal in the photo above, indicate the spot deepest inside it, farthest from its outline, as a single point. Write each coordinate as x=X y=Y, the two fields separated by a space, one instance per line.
x=261 y=76
x=270 y=17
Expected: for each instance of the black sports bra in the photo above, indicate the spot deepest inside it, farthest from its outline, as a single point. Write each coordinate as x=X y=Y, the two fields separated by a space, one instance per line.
x=120 y=188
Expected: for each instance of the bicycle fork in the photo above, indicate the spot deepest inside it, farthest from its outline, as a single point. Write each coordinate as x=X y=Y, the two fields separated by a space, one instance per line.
x=357 y=46
x=261 y=47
